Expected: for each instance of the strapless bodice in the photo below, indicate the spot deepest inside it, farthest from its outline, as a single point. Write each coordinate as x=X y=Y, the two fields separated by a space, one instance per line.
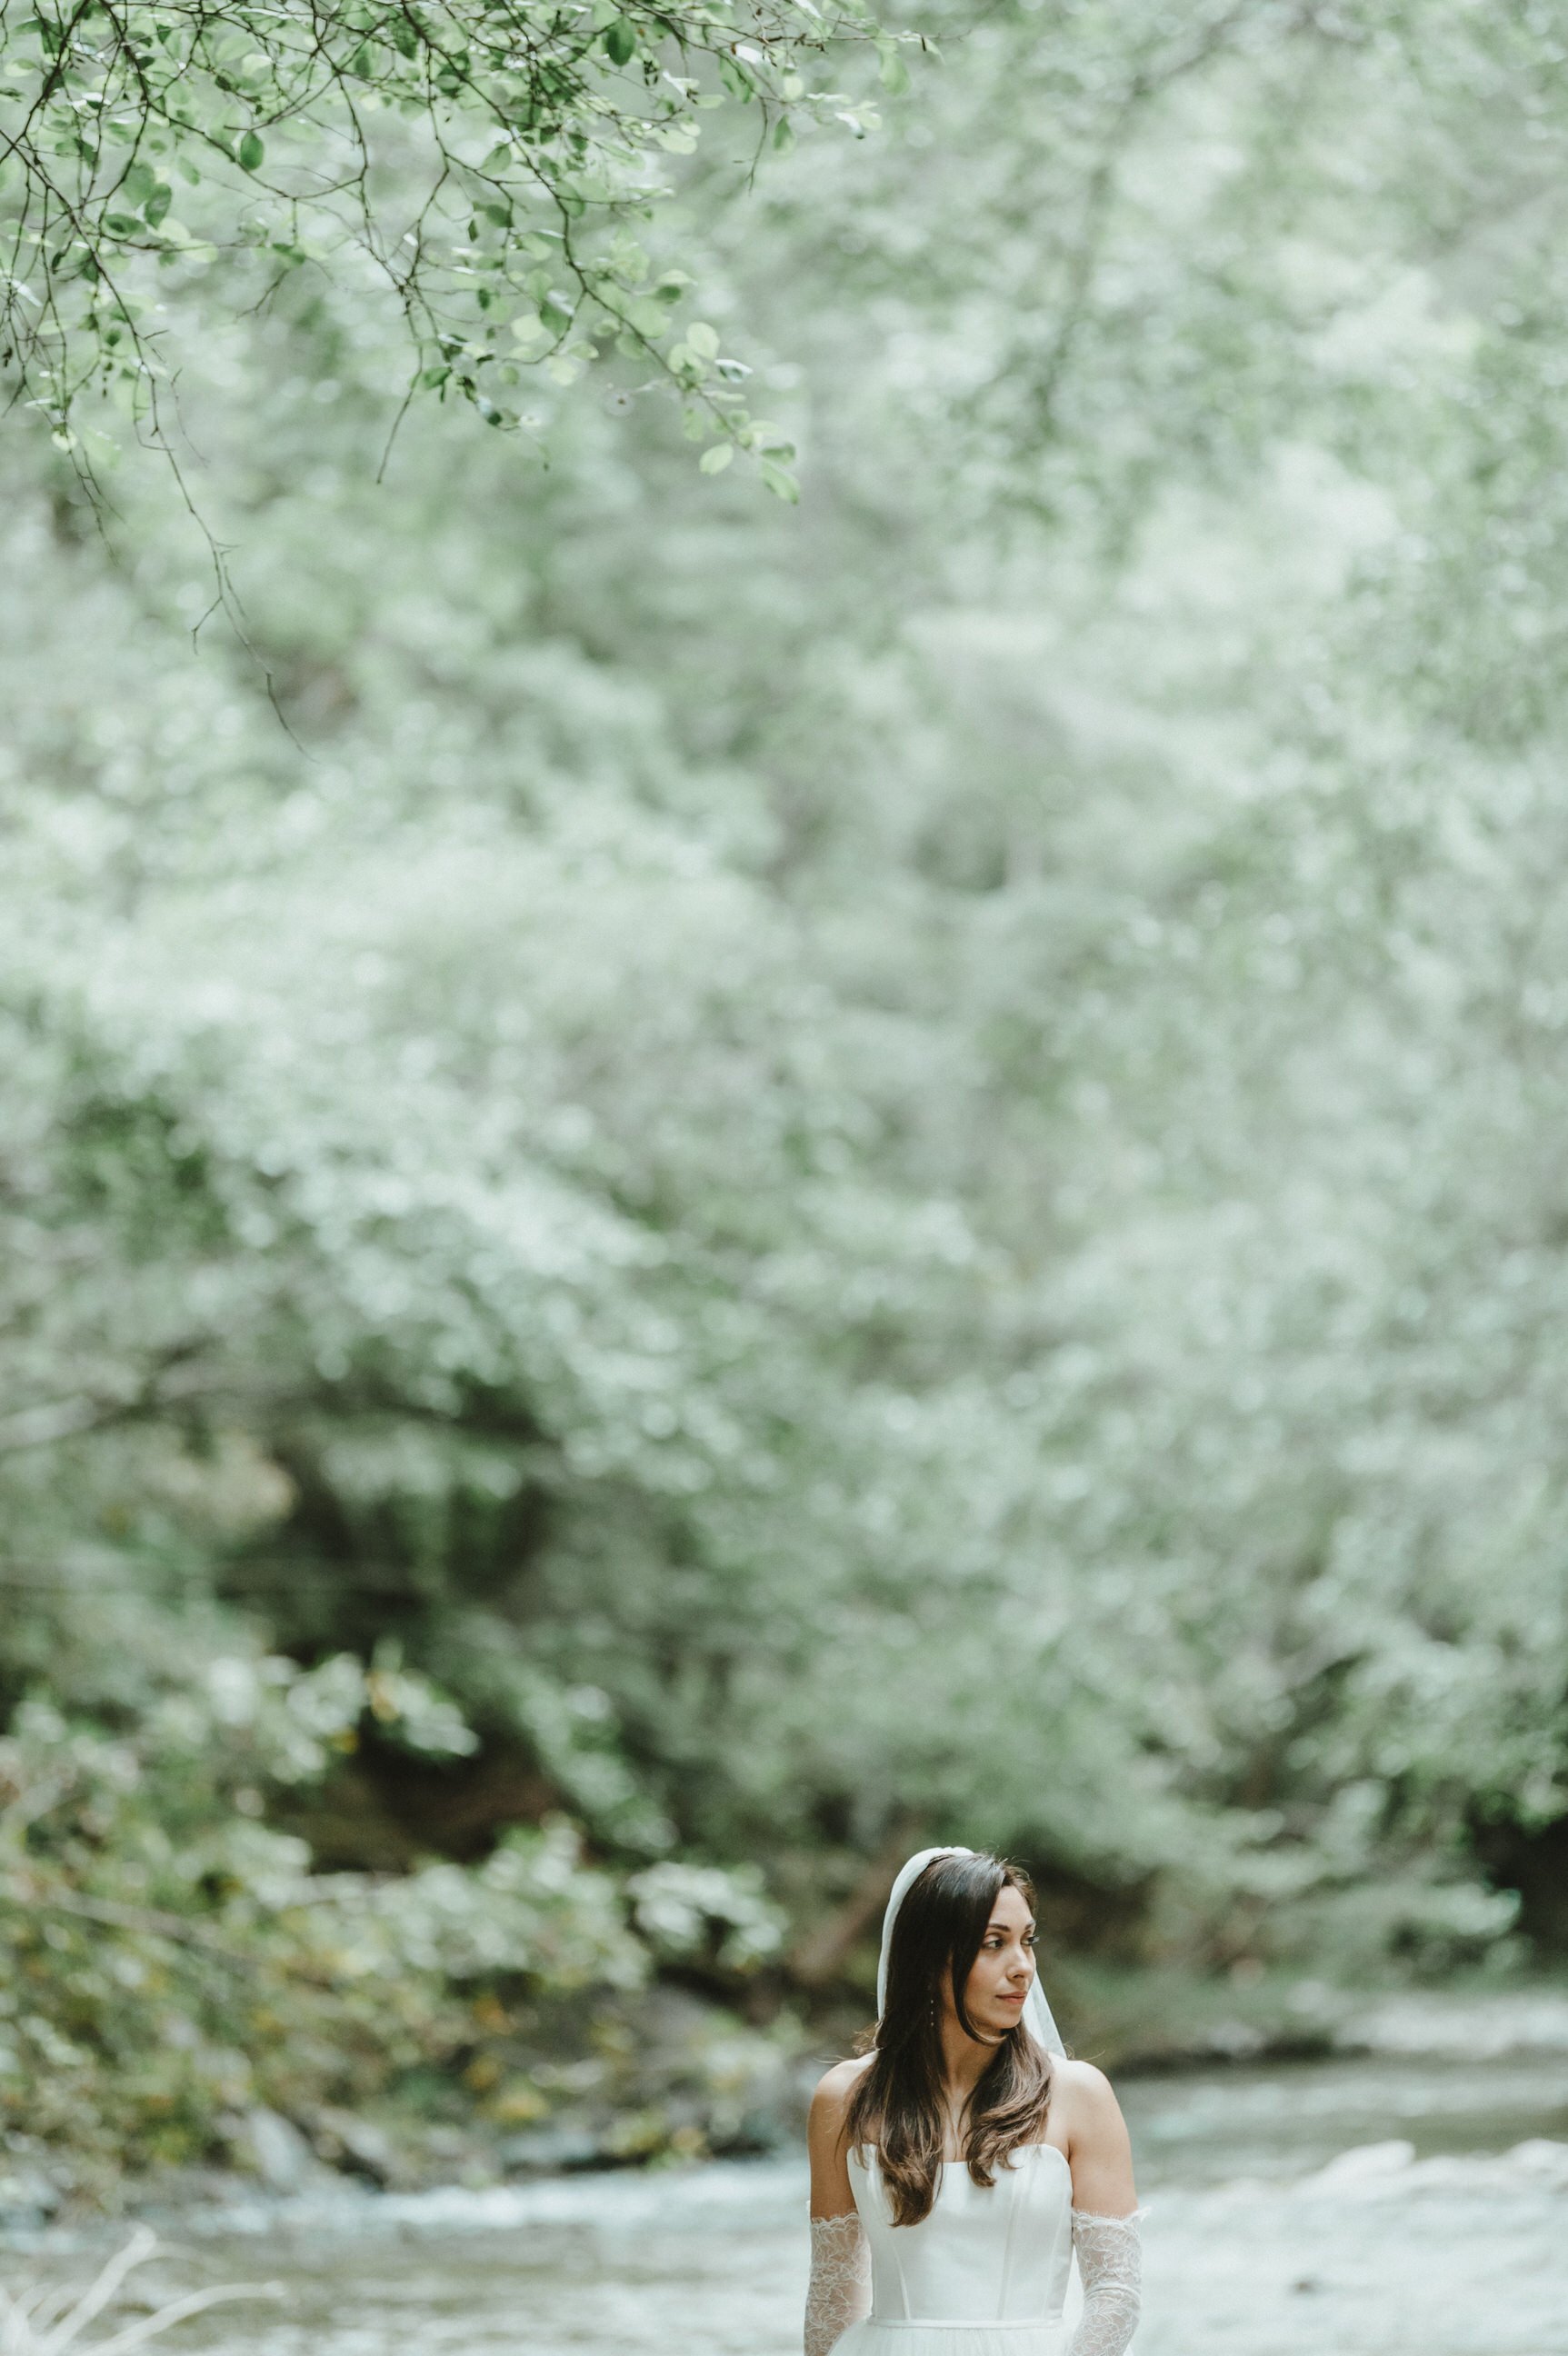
x=984 y=2257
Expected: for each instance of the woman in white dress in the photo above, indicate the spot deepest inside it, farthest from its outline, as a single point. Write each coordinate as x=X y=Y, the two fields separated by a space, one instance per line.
x=958 y=2165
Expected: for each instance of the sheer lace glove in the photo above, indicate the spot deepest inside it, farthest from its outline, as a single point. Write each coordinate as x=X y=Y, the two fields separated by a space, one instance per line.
x=1109 y=2260
x=839 y=2292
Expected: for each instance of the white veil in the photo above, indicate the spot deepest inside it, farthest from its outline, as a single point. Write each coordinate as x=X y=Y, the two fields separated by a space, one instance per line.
x=1037 y=2017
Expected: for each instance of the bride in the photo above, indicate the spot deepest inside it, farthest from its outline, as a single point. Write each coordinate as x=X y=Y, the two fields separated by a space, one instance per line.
x=959 y=2165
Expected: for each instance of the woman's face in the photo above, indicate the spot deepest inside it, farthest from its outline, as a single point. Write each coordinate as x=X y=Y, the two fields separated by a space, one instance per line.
x=1002 y=1973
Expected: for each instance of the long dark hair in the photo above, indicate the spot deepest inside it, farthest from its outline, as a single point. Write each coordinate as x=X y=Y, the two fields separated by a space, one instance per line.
x=898 y=2105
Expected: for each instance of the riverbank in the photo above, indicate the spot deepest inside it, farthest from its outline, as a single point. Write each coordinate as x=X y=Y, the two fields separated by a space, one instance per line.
x=670 y=2078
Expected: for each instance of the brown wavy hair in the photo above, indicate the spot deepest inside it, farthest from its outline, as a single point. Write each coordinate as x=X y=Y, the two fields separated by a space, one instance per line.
x=898 y=2105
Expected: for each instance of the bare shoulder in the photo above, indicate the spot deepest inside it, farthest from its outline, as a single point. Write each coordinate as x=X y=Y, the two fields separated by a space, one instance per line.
x=1097 y=2148
x=835 y=2087
x=1089 y=2107
x=1083 y=2083
x=826 y=2139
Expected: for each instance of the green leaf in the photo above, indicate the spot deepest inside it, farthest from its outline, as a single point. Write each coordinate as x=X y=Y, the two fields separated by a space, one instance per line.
x=158 y=205
x=702 y=340
x=715 y=461
x=781 y=482
x=783 y=134
x=620 y=41
x=895 y=73
x=251 y=151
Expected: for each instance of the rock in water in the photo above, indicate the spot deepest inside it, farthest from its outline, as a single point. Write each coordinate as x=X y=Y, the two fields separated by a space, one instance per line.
x=275 y=2150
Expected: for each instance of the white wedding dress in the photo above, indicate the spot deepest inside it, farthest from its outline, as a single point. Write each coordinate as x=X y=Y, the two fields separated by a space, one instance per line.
x=984 y=2274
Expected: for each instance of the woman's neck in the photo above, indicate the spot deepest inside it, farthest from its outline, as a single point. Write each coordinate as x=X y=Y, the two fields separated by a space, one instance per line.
x=965 y=2060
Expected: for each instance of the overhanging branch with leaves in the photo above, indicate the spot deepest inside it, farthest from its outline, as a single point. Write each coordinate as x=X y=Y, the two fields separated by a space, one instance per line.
x=492 y=164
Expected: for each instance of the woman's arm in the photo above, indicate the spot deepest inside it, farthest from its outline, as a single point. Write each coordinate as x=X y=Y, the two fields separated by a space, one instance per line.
x=839 y=2293
x=1098 y=2144
x=1105 y=2213
x=831 y=2195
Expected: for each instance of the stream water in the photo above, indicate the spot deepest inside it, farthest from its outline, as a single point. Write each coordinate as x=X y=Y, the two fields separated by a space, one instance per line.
x=1399 y=2206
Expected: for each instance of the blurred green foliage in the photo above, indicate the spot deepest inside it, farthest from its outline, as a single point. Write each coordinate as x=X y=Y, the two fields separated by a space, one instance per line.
x=781 y=1181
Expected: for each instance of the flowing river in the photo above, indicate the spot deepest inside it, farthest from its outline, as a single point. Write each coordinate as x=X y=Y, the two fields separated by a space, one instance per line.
x=1396 y=2206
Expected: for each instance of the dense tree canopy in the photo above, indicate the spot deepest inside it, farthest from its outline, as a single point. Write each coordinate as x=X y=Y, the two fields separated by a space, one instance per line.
x=784 y=1179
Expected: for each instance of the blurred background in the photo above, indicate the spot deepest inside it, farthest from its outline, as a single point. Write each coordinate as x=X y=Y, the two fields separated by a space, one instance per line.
x=738 y=1186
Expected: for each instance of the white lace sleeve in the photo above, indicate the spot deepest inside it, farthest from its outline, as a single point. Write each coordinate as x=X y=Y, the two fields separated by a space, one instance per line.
x=839 y=2293
x=1109 y=2260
